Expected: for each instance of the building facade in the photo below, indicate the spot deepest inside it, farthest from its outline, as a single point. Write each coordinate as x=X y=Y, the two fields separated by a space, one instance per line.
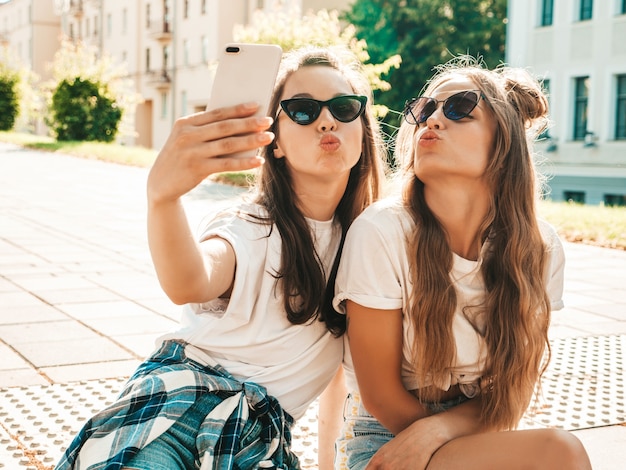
x=579 y=48
x=167 y=46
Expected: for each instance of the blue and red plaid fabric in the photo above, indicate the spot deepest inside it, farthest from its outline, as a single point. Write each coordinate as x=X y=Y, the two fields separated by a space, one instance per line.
x=162 y=389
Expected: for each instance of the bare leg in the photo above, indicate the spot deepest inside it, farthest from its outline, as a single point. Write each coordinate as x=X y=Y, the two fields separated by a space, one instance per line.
x=330 y=419
x=534 y=449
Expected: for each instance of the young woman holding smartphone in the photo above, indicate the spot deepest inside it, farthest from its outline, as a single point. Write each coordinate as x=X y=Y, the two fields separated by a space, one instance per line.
x=259 y=340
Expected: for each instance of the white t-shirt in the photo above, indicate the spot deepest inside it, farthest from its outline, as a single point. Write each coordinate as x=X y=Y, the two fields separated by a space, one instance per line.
x=249 y=334
x=374 y=272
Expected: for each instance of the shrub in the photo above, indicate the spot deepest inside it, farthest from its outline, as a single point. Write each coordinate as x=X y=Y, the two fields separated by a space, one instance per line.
x=9 y=103
x=81 y=111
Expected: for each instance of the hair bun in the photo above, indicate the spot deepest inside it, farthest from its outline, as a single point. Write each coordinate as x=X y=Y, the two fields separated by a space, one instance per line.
x=525 y=94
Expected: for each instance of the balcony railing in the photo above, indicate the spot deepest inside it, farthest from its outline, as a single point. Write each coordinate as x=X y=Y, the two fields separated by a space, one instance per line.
x=159 y=79
x=76 y=8
x=161 y=30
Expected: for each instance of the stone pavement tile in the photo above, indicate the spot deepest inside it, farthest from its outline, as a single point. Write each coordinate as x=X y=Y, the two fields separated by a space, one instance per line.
x=52 y=331
x=30 y=314
x=606 y=328
x=10 y=359
x=45 y=282
x=129 y=284
x=138 y=324
x=21 y=378
x=64 y=296
x=6 y=286
x=85 y=311
x=605 y=446
x=163 y=305
x=73 y=351
x=12 y=456
x=19 y=299
x=141 y=345
x=91 y=371
x=615 y=311
x=581 y=299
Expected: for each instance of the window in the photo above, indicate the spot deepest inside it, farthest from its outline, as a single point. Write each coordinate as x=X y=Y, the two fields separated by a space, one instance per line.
x=586 y=10
x=163 y=105
x=148 y=16
x=615 y=200
x=545 y=85
x=183 y=103
x=547 y=8
x=202 y=7
x=581 y=99
x=620 y=118
x=148 y=65
x=166 y=55
x=186 y=9
x=623 y=8
x=574 y=196
x=205 y=49
x=185 y=52
x=109 y=25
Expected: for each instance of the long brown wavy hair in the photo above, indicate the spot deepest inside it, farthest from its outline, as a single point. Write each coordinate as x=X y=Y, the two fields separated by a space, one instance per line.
x=516 y=306
x=307 y=289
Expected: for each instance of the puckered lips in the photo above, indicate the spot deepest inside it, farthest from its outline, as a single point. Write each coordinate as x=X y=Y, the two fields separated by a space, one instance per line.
x=329 y=142
x=428 y=138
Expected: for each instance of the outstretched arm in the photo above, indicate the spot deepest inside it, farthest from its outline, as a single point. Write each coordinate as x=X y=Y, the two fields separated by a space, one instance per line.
x=197 y=147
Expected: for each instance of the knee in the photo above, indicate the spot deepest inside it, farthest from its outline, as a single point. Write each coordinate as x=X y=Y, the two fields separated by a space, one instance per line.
x=565 y=450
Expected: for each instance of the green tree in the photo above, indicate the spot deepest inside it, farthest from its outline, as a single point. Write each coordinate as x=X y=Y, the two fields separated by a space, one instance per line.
x=86 y=70
x=427 y=33
x=9 y=100
x=81 y=111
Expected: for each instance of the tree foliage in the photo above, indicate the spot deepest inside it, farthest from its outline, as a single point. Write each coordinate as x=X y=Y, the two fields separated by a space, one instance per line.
x=80 y=110
x=427 y=33
x=290 y=30
x=9 y=99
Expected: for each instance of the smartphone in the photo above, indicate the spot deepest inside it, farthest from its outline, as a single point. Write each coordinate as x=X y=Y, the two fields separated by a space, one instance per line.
x=245 y=72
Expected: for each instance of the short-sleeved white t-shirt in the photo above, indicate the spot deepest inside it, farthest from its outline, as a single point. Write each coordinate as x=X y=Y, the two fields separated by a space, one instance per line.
x=249 y=334
x=374 y=272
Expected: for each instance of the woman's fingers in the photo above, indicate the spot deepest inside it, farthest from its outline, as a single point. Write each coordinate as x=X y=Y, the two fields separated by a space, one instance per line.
x=199 y=145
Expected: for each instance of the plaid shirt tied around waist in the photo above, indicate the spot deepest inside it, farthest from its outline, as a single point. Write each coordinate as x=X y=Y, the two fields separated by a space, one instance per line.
x=162 y=389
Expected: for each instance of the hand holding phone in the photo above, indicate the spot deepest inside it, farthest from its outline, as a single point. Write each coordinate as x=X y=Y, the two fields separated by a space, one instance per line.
x=245 y=72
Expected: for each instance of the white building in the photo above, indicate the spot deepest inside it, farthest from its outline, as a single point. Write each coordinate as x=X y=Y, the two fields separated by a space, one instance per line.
x=166 y=45
x=579 y=47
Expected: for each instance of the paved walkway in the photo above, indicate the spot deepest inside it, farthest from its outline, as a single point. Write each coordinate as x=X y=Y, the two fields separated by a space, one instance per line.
x=80 y=305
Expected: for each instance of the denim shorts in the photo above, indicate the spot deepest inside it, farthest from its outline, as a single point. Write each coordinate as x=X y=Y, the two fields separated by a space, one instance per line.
x=362 y=435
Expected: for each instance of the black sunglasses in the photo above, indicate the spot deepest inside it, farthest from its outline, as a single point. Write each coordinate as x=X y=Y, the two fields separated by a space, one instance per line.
x=344 y=108
x=455 y=107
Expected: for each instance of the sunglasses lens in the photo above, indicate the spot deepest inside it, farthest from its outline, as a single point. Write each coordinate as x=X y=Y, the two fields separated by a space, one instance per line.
x=456 y=107
x=302 y=111
x=418 y=110
x=460 y=105
x=346 y=108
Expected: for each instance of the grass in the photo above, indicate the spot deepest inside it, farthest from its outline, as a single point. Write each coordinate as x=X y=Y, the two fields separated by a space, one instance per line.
x=594 y=225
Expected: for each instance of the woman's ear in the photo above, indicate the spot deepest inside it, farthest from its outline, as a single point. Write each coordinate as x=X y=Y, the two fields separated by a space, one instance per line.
x=278 y=152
